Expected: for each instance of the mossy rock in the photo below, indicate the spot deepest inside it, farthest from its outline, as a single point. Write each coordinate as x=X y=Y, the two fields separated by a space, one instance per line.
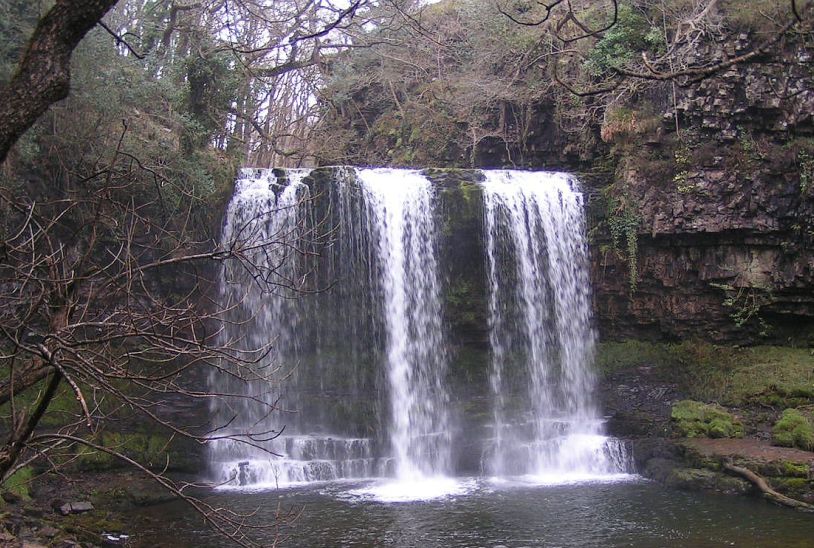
x=701 y=420
x=453 y=177
x=702 y=479
x=798 y=488
x=796 y=469
x=794 y=429
x=791 y=484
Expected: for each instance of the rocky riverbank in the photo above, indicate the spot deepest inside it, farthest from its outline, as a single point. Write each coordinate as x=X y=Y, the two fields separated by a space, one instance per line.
x=73 y=510
x=649 y=394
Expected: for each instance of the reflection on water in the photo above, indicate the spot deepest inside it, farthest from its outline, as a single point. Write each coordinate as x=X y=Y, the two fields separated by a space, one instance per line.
x=482 y=513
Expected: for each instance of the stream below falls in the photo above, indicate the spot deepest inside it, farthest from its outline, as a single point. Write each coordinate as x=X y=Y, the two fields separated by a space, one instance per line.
x=631 y=513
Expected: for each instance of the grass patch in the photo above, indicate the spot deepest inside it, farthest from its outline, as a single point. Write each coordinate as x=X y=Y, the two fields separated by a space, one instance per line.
x=615 y=356
x=700 y=420
x=773 y=375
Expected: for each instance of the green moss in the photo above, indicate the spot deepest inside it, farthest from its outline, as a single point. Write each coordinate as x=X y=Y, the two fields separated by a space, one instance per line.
x=612 y=356
x=148 y=449
x=796 y=487
x=796 y=469
x=695 y=419
x=773 y=375
x=18 y=482
x=464 y=302
x=694 y=479
x=794 y=429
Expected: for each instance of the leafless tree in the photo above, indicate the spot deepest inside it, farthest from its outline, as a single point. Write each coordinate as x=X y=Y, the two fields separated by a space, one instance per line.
x=106 y=276
x=102 y=294
x=684 y=27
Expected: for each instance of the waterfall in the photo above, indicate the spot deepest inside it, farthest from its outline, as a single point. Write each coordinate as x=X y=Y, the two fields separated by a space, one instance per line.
x=274 y=431
x=376 y=307
x=401 y=205
x=337 y=302
x=540 y=331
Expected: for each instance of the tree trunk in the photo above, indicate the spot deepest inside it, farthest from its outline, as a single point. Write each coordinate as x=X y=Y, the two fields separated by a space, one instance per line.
x=44 y=73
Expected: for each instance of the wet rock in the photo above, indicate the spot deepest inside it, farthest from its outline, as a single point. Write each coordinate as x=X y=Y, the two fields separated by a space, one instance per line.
x=702 y=479
x=149 y=496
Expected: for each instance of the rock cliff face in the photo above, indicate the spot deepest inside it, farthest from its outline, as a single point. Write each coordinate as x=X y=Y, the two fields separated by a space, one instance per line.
x=725 y=208
x=728 y=260
x=701 y=200
x=730 y=263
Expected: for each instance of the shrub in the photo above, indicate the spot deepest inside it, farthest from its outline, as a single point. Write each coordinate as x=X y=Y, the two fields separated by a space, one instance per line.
x=630 y=35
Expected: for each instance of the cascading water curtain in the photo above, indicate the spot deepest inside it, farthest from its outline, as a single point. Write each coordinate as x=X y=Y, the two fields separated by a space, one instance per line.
x=403 y=229
x=541 y=332
x=265 y=219
x=358 y=361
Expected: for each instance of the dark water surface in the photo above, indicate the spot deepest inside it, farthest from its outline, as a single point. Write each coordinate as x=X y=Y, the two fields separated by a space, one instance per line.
x=633 y=513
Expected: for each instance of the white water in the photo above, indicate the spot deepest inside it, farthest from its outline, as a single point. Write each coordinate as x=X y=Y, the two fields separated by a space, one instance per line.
x=354 y=383
x=540 y=332
x=400 y=203
x=267 y=442
x=261 y=212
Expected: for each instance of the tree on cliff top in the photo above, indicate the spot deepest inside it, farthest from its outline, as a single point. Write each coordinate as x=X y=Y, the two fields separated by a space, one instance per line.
x=476 y=73
x=601 y=46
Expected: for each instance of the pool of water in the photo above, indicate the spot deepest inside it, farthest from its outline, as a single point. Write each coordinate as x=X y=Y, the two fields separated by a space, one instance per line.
x=480 y=513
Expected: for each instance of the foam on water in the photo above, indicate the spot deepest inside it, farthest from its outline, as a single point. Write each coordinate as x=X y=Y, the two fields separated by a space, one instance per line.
x=424 y=489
